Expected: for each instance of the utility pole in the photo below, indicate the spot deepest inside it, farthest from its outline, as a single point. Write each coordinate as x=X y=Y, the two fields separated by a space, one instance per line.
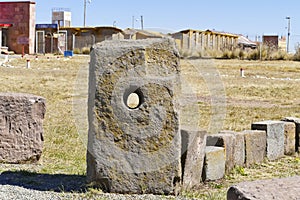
x=132 y=22
x=289 y=33
x=142 y=22
x=84 y=13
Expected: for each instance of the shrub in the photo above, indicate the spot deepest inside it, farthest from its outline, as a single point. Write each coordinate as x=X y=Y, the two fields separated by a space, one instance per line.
x=85 y=50
x=253 y=55
x=227 y=54
x=296 y=56
x=76 y=51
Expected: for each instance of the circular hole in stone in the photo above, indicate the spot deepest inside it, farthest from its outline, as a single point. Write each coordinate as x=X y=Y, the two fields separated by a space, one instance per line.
x=133 y=99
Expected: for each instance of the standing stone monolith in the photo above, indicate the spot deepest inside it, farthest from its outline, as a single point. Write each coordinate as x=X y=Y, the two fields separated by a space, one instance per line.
x=134 y=148
x=21 y=127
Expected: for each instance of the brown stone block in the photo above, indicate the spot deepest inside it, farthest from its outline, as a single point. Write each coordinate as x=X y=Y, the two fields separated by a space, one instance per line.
x=21 y=127
x=193 y=152
x=289 y=138
x=255 y=146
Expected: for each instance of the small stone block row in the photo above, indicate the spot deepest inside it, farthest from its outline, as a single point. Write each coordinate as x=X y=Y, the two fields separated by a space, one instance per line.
x=271 y=139
x=241 y=148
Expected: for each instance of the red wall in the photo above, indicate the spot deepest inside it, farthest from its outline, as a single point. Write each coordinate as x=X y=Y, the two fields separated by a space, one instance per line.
x=271 y=41
x=22 y=15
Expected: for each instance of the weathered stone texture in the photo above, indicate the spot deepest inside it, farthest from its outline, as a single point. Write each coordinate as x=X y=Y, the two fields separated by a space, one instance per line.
x=21 y=127
x=255 y=146
x=193 y=152
x=289 y=138
x=134 y=150
x=275 y=137
x=277 y=189
x=227 y=141
x=297 y=124
x=214 y=165
x=239 y=148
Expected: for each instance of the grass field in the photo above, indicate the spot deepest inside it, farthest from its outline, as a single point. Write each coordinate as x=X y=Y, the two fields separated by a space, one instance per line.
x=212 y=89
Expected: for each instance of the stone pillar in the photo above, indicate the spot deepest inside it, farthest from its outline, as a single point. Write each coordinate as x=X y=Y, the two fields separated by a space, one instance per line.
x=136 y=148
x=21 y=127
x=193 y=151
x=296 y=121
x=289 y=138
x=275 y=137
x=214 y=165
x=255 y=146
x=227 y=141
x=239 y=148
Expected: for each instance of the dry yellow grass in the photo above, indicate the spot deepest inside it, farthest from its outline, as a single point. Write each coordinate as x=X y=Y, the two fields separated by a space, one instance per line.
x=269 y=91
x=54 y=79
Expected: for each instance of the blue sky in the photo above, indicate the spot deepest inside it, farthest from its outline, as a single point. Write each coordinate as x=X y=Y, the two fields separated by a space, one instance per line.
x=252 y=18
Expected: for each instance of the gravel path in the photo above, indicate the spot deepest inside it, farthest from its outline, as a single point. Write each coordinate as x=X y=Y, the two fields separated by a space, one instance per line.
x=22 y=182
x=10 y=192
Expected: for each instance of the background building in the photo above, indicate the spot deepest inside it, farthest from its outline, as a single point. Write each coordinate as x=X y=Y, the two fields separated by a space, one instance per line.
x=197 y=40
x=20 y=36
x=62 y=17
x=271 y=41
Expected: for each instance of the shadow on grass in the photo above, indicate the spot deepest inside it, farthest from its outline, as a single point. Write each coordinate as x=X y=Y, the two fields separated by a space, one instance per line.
x=44 y=182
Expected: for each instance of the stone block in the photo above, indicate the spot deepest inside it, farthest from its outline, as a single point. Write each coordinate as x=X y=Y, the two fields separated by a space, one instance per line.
x=277 y=189
x=134 y=148
x=255 y=146
x=227 y=141
x=275 y=137
x=21 y=127
x=297 y=124
x=289 y=138
x=239 y=148
x=193 y=152
x=214 y=165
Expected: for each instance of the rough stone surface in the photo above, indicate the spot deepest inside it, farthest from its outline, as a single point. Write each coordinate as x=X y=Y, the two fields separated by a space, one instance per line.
x=297 y=123
x=289 y=138
x=134 y=150
x=193 y=152
x=21 y=127
x=275 y=137
x=214 y=165
x=255 y=146
x=227 y=141
x=277 y=189
x=239 y=148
